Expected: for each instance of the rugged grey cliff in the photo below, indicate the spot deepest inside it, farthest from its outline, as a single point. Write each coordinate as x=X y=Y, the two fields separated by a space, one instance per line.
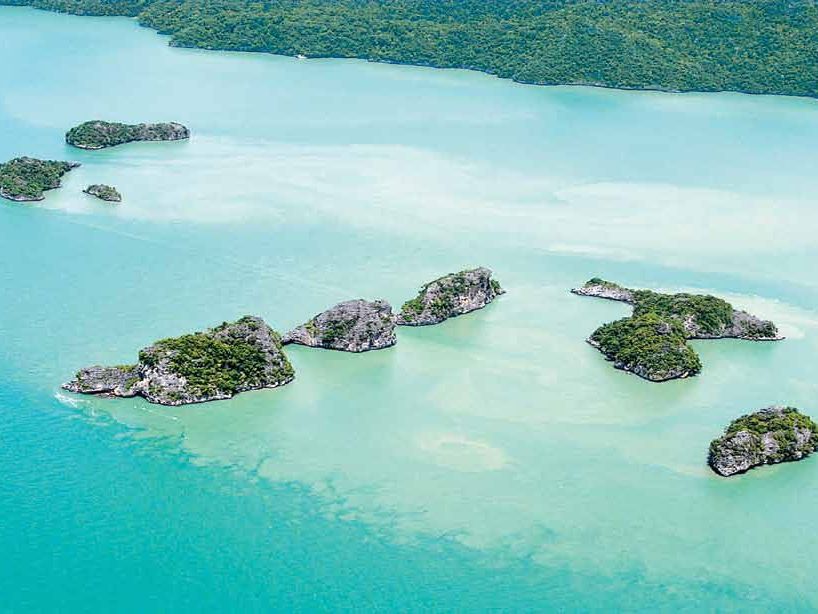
x=599 y=288
x=449 y=296
x=768 y=436
x=351 y=326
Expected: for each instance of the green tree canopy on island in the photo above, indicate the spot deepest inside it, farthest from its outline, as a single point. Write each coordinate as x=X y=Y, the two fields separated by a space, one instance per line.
x=760 y=46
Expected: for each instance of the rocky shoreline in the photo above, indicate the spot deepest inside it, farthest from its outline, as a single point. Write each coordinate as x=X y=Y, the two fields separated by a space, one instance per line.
x=599 y=288
x=765 y=437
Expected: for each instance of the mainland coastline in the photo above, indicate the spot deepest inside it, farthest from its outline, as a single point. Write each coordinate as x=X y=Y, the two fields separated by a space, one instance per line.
x=465 y=32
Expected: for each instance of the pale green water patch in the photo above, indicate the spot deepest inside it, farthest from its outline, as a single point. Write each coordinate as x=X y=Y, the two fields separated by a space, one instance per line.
x=501 y=434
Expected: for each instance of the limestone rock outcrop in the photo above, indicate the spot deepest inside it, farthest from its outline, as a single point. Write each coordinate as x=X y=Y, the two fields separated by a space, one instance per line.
x=768 y=436
x=351 y=326
x=449 y=296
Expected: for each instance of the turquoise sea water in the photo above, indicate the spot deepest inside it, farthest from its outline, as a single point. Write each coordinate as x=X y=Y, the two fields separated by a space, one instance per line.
x=495 y=462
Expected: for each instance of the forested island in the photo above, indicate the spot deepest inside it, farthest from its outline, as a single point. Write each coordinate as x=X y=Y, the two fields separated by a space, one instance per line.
x=26 y=179
x=652 y=343
x=766 y=437
x=758 y=46
x=649 y=346
x=98 y=134
x=194 y=368
x=104 y=192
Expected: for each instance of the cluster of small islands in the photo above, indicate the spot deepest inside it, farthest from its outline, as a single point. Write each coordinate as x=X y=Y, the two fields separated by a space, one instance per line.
x=652 y=343
x=25 y=179
x=248 y=354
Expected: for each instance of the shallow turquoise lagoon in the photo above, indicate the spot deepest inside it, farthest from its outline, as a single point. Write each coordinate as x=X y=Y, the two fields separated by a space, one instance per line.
x=493 y=462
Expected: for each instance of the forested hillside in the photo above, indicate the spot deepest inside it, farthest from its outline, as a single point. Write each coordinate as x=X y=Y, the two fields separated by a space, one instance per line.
x=762 y=46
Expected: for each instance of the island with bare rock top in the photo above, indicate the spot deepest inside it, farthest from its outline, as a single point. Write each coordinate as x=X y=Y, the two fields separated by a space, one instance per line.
x=351 y=326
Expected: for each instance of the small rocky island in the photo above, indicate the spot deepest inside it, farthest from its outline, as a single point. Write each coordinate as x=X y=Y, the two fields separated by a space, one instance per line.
x=351 y=326
x=101 y=134
x=768 y=436
x=652 y=343
x=26 y=179
x=104 y=192
x=206 y=366
x=449 y=296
